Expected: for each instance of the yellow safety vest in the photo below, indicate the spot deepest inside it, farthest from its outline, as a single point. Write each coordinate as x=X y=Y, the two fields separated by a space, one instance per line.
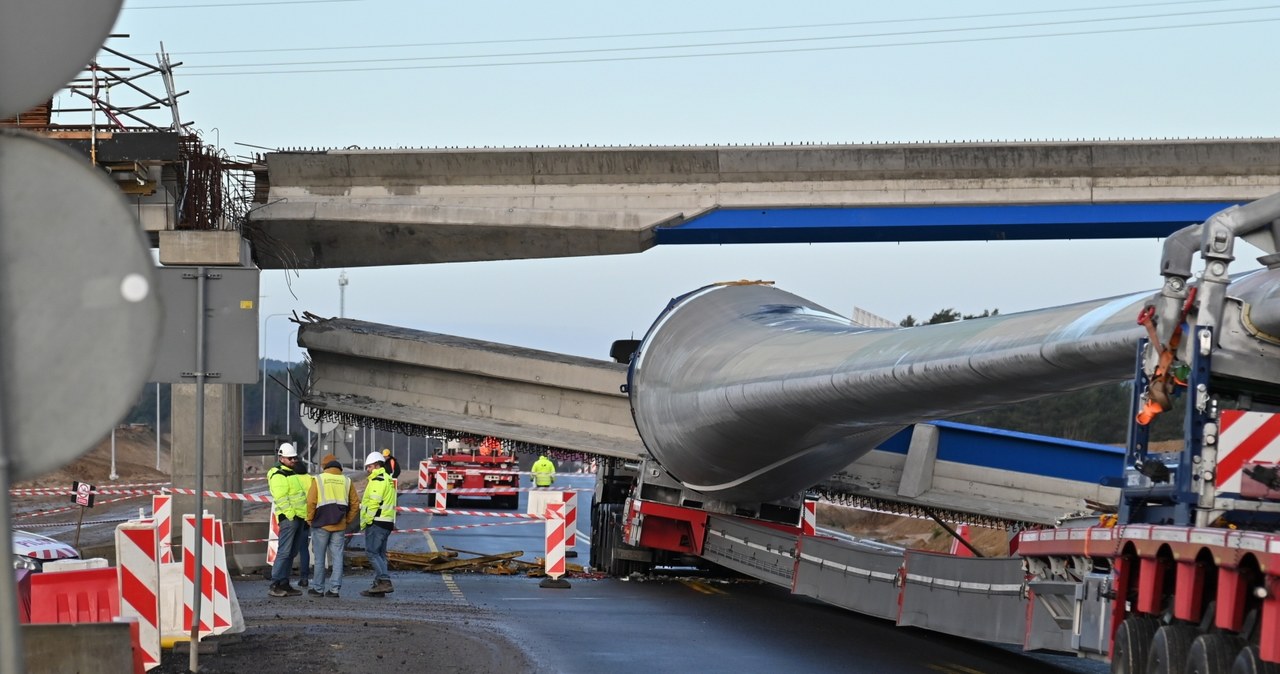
x=287 y=492
x=543 y=472
x=331 y=499
x=379 y=501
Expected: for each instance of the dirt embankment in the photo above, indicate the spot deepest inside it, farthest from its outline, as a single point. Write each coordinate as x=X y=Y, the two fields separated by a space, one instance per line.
x=135 y=462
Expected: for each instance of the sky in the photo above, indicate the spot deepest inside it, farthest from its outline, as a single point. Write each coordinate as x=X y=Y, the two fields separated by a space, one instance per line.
x=559 y=73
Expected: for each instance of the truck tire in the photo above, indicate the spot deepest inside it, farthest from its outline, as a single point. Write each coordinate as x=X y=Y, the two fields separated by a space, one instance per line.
x=1132 y=644
x=506 y=502
x=1249 y=662
x=1213 y=653
x=1170 y=648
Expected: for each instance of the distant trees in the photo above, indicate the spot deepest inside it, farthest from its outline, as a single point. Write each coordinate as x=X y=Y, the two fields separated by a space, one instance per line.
x=278 y=401
x=1096 y=414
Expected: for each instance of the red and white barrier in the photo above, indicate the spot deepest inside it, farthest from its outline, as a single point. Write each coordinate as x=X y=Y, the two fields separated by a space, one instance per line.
x=162 y=513
x=273 y=535
x=138 y=574
x=570 y=520
x=425 y=472
x=555 y=540
x=809 y=518
x=442 y=487
x=207 y=559
x=959 y=549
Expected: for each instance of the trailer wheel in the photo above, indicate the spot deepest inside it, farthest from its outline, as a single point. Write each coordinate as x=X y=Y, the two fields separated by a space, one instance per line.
x=1132 y=644
x=1249 y=662
x=1213 y=653
x=1169 y=649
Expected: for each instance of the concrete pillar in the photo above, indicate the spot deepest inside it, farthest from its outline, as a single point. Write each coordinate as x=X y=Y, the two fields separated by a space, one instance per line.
x=223 y=448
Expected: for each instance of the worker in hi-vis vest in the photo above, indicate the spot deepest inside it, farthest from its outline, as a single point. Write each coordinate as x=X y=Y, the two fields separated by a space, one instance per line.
x=290 y=503
x=544 y=472
x=331 y=506
x=377 y=520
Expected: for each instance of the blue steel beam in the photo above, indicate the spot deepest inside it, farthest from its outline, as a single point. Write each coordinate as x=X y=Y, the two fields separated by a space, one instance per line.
x=938 y=223
x=1042 y=455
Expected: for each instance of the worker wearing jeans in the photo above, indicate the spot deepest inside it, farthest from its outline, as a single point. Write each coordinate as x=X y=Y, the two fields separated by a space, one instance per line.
x=331 y=506
x=290 y=507
x=377 y=520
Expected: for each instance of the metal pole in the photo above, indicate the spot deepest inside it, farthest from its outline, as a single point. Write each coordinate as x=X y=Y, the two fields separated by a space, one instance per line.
x=288 y=378
x=157 y=425
x=265 y=321
x=113 y=475
x=193 y=663
x=342 y=294
x=11 y=657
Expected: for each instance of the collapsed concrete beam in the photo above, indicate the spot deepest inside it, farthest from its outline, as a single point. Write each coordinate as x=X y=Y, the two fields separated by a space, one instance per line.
x=472 y=386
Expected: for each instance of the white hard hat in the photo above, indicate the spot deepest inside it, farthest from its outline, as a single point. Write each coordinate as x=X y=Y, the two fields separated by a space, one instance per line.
x=287 y=450
x=374 y=457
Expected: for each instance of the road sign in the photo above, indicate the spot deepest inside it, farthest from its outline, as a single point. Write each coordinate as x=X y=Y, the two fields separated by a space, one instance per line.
x=317 y=427
x=231 y=325
x=83 y=494
x=44 y=44
x=77 y=295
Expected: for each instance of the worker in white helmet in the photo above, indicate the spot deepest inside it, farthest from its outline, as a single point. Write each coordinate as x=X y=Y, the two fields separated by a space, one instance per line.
x=377 y=521
x=289 y=501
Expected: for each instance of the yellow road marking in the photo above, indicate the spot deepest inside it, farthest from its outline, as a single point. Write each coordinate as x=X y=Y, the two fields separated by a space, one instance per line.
x=952 y=668
x=449 y=582
x=704 y=588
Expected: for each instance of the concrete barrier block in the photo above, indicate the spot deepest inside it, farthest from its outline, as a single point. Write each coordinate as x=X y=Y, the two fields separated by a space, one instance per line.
x=87 y=648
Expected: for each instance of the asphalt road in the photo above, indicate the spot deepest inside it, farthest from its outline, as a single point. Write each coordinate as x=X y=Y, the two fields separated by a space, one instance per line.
x=677 y=621
x=681 y=621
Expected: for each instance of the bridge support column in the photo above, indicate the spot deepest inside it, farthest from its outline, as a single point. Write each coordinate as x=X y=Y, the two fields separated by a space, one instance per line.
x=223 y=448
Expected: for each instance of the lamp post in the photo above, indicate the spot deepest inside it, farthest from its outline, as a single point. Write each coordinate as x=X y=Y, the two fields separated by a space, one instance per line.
x=265 y=321
x=288 y=378
x=342 y=294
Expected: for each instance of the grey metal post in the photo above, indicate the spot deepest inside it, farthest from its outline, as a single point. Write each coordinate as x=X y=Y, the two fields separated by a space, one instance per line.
x=193 y=662
x=11 y=657
x=158 y=426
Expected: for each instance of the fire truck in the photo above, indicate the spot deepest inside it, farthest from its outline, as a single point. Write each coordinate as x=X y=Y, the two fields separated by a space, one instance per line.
x=476 y=467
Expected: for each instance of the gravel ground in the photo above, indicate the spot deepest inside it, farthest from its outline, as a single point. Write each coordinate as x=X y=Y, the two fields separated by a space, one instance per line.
x=418 y=628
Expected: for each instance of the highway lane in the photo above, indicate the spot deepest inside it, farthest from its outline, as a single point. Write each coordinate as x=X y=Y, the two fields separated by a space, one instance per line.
x=673 y=622
x=682 y=621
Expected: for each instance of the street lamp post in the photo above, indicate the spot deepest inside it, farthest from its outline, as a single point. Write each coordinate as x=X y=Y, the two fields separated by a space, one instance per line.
x=288 y=378
x=342 y=294
x=265 y=321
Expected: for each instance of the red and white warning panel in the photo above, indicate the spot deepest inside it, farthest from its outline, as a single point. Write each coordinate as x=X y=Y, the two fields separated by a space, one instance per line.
x=1246 y=439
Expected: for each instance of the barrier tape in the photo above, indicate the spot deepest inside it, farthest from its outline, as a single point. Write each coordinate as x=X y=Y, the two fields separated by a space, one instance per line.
x=73 y=524
x=452 y=527
x=41 y=513
x=59 y=491
x=492 y=490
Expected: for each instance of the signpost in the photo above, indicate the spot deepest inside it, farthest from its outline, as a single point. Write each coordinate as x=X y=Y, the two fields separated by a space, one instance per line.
x=83 y=497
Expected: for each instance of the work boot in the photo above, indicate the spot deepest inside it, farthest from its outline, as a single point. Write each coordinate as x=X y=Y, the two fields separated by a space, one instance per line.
x=332 y=594
x=303 y=582
x=276 y=591
x=382 y=586
x=370 y=593
x=314 y=592
x=289 y=590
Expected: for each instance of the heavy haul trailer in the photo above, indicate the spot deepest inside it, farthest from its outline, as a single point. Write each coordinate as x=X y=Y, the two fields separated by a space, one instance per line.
x=479 y=464
x=744 y=395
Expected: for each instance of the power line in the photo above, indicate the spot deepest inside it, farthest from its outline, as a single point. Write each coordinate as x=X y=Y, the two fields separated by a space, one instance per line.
x=239 y=4
x=794 y=50
x=705 y=45
x=710 y=31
